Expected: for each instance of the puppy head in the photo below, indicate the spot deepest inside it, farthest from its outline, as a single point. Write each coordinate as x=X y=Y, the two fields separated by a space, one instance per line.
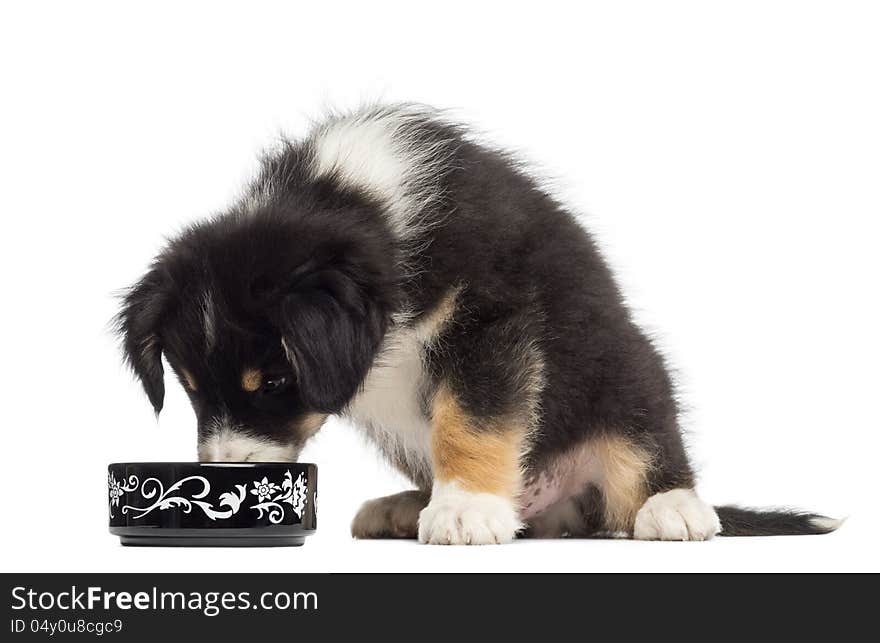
x=269 y=324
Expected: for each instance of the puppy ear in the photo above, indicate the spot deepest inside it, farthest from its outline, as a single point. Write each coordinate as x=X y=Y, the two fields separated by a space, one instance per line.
x=138 y=326
x=331 y=325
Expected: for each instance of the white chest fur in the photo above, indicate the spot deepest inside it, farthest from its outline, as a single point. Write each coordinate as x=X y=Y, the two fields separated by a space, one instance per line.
x=390 y=406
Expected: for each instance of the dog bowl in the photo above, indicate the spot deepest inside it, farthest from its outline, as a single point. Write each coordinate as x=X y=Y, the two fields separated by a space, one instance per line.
x=222 y=504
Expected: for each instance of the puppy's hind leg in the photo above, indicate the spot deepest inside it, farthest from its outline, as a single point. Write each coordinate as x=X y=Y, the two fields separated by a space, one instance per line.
x=648 y=498
x=677 y=514
x=395 y=516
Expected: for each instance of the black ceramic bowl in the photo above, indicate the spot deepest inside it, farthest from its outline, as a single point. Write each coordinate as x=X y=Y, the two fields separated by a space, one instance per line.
x=222 y=504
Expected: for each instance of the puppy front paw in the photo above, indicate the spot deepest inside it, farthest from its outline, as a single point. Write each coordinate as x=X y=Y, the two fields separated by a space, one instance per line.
x=459 y=517
x=394 y=516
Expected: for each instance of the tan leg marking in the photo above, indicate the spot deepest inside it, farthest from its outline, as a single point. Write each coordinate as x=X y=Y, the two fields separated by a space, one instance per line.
x=480 y=459
x=624 y=480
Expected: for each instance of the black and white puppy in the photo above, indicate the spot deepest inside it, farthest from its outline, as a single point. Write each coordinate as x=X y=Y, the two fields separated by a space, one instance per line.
x=391 y=269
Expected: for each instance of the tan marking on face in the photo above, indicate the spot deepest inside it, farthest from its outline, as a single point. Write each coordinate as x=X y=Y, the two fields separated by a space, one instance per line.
x=310 y=423
x=189 y=379
x=624 y=479
x=251 y=380
x=479 y=458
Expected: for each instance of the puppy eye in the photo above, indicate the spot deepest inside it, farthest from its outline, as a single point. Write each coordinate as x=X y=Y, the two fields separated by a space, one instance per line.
x=274 y=384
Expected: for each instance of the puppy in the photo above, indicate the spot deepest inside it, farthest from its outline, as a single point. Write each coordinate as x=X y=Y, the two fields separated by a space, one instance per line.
x=391 y=269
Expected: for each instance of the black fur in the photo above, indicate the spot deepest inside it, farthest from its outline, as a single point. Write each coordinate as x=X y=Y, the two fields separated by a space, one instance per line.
x=258 y=270
x=142 y=315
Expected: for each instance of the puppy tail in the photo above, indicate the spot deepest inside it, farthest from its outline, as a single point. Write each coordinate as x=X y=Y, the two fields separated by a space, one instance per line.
x=736 y=521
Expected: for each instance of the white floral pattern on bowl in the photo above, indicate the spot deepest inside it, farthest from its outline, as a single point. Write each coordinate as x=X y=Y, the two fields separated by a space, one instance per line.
x=117 y=488
x=292 y=493
x=270 y=497
x=263 y=489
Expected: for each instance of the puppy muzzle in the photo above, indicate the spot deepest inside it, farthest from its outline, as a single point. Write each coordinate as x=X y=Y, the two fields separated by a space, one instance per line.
x=226 y=444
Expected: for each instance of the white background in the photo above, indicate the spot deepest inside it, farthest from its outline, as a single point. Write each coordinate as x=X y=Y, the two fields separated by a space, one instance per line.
x=726 y=155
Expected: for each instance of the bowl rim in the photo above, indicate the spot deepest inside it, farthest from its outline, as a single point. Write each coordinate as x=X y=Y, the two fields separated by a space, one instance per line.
x=213 y=465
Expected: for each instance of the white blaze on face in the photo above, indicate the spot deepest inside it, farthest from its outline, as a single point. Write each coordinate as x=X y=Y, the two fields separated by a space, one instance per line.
x=229 y=444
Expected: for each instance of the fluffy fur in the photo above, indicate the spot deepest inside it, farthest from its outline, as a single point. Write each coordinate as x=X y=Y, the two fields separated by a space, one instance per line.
x=389 y=268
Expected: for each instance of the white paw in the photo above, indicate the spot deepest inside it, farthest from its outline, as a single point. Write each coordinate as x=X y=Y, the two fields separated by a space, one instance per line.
x=458 y=517
x=676 y=515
